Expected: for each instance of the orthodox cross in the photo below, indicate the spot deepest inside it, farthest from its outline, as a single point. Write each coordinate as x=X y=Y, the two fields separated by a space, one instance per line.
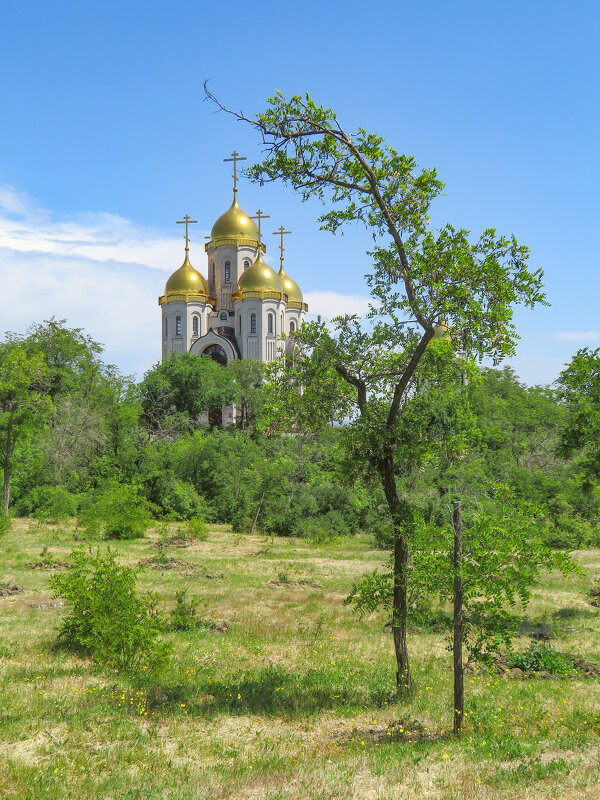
x=186 y=221
x=259 y=216
x=281 y=233
x=235 y=158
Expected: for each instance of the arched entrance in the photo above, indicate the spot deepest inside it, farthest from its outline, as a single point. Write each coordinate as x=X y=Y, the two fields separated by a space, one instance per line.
x=216 y=352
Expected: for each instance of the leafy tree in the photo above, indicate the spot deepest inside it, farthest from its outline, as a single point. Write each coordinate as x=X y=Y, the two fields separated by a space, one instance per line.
x=175 y=393
x=22 y=398
x=580 y=389
x=419 y=279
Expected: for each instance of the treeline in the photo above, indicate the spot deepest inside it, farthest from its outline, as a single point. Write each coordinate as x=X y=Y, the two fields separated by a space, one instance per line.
x=78 y=438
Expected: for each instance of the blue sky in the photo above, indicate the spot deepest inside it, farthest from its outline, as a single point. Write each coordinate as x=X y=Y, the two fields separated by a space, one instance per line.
x=106 y=140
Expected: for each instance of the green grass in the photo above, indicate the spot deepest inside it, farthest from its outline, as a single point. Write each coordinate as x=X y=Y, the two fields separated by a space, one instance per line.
x=294 y=700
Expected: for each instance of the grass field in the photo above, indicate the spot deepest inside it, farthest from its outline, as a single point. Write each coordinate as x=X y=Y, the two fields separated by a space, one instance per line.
x=284 y=693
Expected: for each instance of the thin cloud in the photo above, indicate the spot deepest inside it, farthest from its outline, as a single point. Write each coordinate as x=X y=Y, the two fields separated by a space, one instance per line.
x=577 y=336
x=332 y=304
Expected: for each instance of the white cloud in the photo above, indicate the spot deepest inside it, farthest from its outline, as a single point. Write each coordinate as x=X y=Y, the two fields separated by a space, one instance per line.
x=332 y=304
x=577 y=336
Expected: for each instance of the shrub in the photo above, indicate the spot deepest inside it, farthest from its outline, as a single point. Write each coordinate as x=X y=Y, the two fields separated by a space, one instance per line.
x=197 y=528
x=119 y=628
x=5 y=524
x=53 y=503
x=120 y=511
x=541 y=658
x=183 y=616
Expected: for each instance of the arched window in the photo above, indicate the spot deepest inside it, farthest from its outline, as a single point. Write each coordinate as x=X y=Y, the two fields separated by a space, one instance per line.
x=195 y=324
x=224 y=316
x=292 y=326
x=270 y=323
x=211 y=273
x=228 y=272
x=246 y=264
x=177 y=326
x=281 y=322
x=216 y=352
x=252 y=323
x=166 y=327
x=239 y=323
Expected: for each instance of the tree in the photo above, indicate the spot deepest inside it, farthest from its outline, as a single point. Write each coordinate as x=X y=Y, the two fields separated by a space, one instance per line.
x=580 y=388
x=419 y=280
x=22 y=397
x=175 y=393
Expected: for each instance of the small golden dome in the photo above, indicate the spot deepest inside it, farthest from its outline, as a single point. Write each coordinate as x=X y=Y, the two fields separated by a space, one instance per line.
x=234 y=223
x=441 y=330
x=290 y=287
x=186 y=280
x=259 y=278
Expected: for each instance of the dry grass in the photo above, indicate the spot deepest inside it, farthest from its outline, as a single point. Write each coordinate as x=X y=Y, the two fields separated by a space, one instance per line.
x=294 y=701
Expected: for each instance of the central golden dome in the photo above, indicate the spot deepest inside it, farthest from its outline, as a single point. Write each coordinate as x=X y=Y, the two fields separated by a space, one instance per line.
x=234 y=224
x=259 y=278
x=186 y=283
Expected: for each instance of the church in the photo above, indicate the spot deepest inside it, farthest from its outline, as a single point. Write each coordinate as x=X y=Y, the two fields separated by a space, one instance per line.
x=244 y=309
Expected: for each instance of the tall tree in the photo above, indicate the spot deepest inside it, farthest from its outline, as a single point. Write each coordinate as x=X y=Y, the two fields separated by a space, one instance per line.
x=22 y=396
x=419 y=278
x=580 y=386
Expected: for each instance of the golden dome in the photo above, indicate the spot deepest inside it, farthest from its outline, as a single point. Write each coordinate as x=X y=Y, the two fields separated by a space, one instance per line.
x=186 y=283
x=259 y=279
x=441 y=330
x=290 y=287
x=234 y=224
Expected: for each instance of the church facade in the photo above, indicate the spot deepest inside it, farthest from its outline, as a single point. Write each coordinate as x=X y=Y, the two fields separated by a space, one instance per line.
x=243 y=309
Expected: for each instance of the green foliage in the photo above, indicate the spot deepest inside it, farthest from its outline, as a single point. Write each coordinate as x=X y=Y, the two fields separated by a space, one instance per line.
x=580 y=386
x=541 y=658
x=52 y=503
x=5 y=524
x=197 y=528
x=118 y=512
x=175 y=393
x=184 y=615
x=119 y=628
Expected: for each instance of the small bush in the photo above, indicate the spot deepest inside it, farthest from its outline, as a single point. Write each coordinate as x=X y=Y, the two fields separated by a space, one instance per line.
x=5 y=524
x=184 y=616
x=119 y=512
x=53 y=503
x=197 y=528
x=541 y=658
x=107 y=618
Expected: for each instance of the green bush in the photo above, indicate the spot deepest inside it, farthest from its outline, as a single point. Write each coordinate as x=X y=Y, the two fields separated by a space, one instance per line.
x=184 y=616
x=541 y=658
x=119 y=512
x=119 y=628
x=197 y=528
x=5 y=524
x=53 y=503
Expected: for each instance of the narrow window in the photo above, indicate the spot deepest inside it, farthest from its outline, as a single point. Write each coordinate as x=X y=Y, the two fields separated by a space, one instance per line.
x=270 y=323
x=292 y=326
x=252 y=323
x=246 y=264
x=211 y=277
x=239 y=324
x=195 y=325
x=177 y=326
x=166 y=327
x=228 y=272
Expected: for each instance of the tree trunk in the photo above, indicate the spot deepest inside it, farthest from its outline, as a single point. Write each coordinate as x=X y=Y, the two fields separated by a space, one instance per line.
x=459 y=688
x=400 y=613
x=400 y=591
x=6 y=494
